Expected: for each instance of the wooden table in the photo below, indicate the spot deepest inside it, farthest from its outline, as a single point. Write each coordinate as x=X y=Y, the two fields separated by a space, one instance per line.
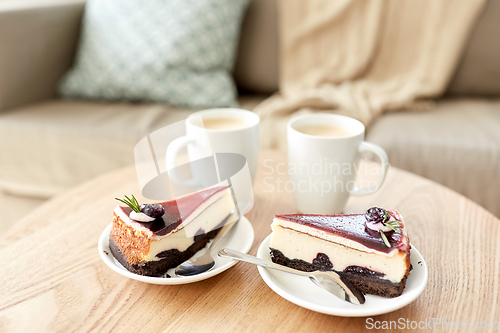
x=51 y=276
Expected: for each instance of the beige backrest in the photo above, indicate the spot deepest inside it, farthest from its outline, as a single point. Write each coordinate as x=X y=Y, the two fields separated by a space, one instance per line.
x=37 y=45
x=257 y=66
x=479 y=70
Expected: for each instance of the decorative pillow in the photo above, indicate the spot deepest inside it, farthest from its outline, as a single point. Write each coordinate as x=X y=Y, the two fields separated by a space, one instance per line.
x=180 y=52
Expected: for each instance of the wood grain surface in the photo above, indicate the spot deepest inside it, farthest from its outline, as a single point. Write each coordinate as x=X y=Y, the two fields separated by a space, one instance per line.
x=52 y=279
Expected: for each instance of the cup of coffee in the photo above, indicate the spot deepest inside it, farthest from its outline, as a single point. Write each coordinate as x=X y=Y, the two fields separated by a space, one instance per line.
x=323 y=156
x=224 y=130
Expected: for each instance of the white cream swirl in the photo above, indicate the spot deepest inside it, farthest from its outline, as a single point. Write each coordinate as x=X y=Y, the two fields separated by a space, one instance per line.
x=140 y=217
x=379 y=226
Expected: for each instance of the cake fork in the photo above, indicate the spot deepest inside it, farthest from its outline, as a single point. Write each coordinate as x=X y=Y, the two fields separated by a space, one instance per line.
x=329 y=280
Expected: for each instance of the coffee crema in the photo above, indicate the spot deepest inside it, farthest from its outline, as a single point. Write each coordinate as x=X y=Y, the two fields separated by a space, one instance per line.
x=331 y=131
x=223 y=123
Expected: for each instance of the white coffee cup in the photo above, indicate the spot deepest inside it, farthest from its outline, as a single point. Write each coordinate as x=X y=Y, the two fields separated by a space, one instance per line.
x=318 y=163
x=224 y=130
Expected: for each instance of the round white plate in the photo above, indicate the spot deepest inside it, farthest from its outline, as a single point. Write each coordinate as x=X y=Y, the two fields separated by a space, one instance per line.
x=301 y=291
x=240 y=238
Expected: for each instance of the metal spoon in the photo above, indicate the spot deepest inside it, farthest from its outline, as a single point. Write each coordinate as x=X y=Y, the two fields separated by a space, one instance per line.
x=206 y=262
x=329 y=280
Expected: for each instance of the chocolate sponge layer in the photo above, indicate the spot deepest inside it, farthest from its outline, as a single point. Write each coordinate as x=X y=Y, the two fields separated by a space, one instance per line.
x=169 y=259
x=365 y=280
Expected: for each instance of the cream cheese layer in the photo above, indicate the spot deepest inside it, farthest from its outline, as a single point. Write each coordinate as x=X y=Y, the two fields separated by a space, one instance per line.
x=298 y=245
x=204 y=222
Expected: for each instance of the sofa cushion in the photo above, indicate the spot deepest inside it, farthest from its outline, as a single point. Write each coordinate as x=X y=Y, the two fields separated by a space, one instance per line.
x=457 y=144
x=479 y=70
x=176 y=52
x=54 y=145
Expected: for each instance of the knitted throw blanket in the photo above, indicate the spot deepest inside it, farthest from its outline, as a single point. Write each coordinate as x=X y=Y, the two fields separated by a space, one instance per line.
x=363 y=57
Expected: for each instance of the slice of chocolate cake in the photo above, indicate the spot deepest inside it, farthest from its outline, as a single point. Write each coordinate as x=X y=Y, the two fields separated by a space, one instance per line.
x=150 y=239
x=371 y=250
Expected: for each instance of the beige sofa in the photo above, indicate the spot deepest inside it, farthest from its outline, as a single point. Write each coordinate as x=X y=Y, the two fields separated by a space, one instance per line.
x=50 y=145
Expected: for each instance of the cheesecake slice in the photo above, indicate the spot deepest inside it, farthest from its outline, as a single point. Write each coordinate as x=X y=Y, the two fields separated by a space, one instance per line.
x=186 y=225
x=373 y=255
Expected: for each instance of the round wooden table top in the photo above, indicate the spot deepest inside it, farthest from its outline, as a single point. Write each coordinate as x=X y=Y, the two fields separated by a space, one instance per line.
x=52 y=278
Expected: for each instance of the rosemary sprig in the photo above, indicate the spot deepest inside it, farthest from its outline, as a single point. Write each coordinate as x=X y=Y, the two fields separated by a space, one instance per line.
x=389 y=224
x=392 y=225
x=384 y=238
x=132 y=203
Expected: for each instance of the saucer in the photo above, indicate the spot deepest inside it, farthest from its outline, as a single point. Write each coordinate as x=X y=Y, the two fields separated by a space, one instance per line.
x=240 y=238
x=301 y=291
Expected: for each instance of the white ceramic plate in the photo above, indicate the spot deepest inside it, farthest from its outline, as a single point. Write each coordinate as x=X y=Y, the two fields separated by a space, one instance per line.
x=240 y=238
x=301 y=291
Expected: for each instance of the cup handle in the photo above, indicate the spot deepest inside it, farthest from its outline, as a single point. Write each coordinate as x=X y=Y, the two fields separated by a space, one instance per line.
x=384 y=160
x=171 y=155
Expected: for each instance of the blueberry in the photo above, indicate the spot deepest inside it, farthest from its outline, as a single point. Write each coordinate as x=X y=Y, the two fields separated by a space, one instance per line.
x=153 y=210
x=375 y=215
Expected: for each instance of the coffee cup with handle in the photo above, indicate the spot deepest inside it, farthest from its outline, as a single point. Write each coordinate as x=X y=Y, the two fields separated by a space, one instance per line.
x=223 y=130
x=323 y=155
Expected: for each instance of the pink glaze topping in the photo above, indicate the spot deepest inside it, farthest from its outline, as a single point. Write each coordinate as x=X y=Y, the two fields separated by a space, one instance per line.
x=172 y=217
x=353 y=227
